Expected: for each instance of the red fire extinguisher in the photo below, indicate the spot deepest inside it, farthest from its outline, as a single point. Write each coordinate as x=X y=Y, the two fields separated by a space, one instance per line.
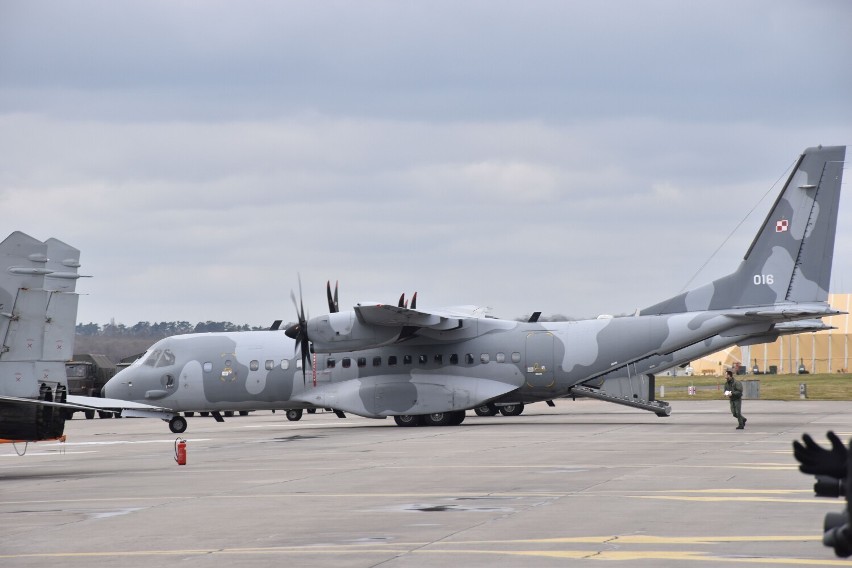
x=180 y=451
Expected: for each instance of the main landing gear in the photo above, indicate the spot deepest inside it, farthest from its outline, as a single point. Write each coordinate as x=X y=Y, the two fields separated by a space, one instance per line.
x=490 y=409
x=435 y=419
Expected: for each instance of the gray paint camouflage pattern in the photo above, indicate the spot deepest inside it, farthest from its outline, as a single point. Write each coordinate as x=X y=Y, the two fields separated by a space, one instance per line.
x=470 y=359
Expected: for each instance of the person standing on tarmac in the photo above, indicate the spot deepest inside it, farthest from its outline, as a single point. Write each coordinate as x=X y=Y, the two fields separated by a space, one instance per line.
x=734 y=392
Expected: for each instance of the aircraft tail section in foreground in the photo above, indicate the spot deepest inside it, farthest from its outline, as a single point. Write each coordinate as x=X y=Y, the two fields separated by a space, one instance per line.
x=790 y=258
x=38 y=313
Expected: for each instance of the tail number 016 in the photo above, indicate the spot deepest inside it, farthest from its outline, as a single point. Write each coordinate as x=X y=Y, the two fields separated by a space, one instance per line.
x=763 y=279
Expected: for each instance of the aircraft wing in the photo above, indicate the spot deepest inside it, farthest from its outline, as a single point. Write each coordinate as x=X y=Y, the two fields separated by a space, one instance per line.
x=395 y=316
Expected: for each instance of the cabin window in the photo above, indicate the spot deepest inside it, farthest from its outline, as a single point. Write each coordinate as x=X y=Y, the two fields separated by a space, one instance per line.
x=377 y=361
x=439 y=359
x=484 y=358
x=516 y=357
x=330 y=363
x=454 y=359
x=254 y=365
x=468 y=358
x=208 y=366
x=362 y=361
x=406 y=359
x=269 y=365
x=422 y=359
x=285 y=364
x=392 y=360
x=346 y=362
x=500 y=358
x=298 y=363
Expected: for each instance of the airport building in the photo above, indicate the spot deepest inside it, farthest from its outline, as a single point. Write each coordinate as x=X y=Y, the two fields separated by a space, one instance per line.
x=820 y=352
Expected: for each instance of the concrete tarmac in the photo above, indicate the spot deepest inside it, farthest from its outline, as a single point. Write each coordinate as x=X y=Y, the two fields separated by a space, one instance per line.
x=561 y=486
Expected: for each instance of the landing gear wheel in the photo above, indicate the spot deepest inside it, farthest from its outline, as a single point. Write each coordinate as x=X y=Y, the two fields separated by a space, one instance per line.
x=228 y=413
x=177 y=424
x=512 y=409
x=312 y=411
x=408 y=420
x=438 y=419
x=189 y=414
x=457 y=417
x=104 y=414
x=486 y=410
x=244 y=412
x=89 y=414
x=204 y=413
x=294 y=414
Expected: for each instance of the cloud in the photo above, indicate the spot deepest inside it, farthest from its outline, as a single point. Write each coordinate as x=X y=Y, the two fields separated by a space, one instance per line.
x=572 y=158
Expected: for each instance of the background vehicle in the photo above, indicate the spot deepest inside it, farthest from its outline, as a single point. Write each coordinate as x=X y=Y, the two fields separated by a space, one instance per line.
x=87 y=374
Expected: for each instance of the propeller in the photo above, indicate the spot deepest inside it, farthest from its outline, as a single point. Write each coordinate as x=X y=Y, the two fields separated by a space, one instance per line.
x=403 y=303
x=333 y=305
x=299 y=331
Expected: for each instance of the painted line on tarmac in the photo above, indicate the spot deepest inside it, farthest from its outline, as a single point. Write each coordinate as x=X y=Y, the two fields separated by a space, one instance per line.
x=458 y=548
x=719 y=499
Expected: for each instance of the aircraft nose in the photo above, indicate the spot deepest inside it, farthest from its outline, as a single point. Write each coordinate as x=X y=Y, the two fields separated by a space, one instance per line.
x=119 y=386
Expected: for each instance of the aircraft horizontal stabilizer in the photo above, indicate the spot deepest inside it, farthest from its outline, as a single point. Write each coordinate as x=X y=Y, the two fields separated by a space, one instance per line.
x=782 y=313
x=97 y=403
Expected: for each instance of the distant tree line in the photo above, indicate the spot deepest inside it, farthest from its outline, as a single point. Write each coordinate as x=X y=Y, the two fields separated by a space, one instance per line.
x=149 y=330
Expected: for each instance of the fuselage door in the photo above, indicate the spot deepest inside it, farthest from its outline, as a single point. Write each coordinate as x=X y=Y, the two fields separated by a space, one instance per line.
x=539 y=361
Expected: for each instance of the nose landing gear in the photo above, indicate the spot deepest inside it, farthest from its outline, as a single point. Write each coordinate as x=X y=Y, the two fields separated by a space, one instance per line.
x=177 y=424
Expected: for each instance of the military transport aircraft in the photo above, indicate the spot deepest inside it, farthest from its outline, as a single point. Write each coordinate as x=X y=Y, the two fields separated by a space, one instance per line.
x=430 y=366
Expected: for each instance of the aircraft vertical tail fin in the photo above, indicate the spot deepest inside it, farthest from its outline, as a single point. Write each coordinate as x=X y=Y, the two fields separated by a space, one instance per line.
x=38 y=313
x=790 y=259
x=23 y=299
x=61 y=316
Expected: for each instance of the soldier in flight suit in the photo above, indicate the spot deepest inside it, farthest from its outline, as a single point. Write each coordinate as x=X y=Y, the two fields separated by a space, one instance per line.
x=734 y=392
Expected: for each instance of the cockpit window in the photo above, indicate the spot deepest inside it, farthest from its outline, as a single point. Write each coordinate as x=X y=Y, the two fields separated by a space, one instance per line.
x=151 y=360
x=166 y=359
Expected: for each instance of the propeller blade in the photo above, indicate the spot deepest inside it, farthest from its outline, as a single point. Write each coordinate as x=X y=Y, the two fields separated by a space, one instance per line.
x=336 y=303
x=275 y=325
x=534 y=317
x=299 y=330
x=414 y=301
x=331 y=309
x=401 y=303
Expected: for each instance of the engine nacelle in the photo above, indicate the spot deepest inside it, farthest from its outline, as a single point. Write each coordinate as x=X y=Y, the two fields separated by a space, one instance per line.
x=341 y=331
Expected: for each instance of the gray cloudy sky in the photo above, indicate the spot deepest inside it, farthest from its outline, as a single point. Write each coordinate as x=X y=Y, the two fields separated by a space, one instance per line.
x=577 y=157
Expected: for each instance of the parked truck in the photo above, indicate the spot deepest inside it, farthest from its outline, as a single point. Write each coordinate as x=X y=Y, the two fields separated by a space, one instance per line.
x=87 y=374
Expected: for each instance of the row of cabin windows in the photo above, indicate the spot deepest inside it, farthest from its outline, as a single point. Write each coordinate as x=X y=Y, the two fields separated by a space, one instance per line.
x=254 y=365
x=393 y=360
x=422 y=359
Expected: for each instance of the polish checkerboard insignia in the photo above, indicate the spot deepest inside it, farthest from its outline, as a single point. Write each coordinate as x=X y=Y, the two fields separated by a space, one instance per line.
x=781 y=226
